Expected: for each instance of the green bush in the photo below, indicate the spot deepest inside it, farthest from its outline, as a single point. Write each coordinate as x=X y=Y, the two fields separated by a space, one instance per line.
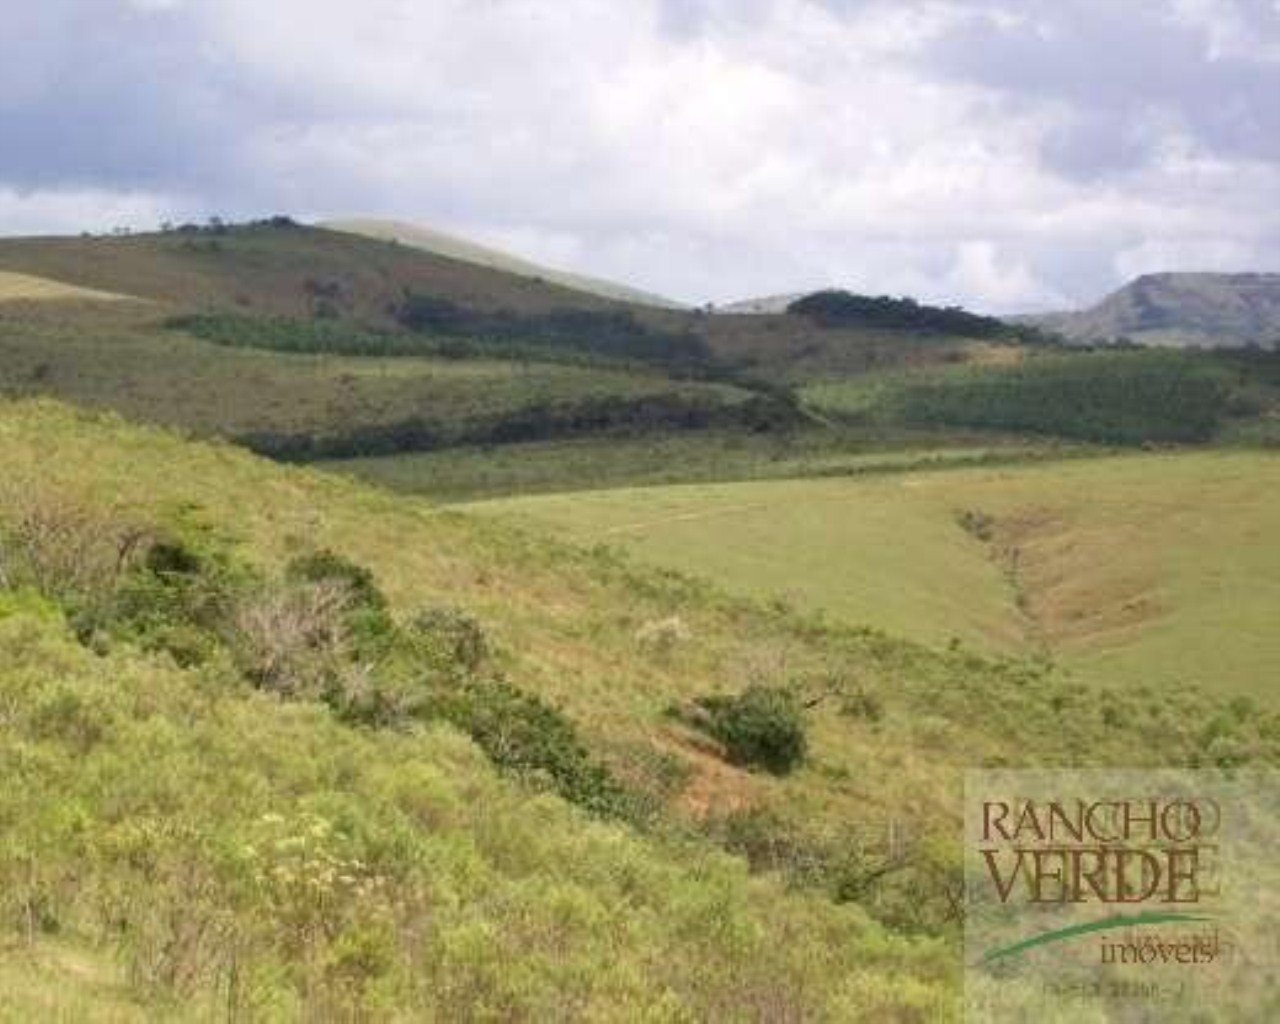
x=761 y=727
x=366 y=617
x=328 y=566
x=449 y=638
x=178 y=599
x=525 y=736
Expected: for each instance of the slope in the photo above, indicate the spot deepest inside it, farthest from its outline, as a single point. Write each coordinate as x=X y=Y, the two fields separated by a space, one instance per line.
x=279 y=268
x=241 y=843
x=1159 y=568
x=443 y=244
x=26 y=288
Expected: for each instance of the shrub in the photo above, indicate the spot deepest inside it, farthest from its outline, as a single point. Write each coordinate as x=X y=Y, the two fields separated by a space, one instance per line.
x=761 y=727
x=449 y=638
x=978 y=524
x=178 y=598
x=290 y=639
x=366 y=616
x=61 y=549
x=525 y=736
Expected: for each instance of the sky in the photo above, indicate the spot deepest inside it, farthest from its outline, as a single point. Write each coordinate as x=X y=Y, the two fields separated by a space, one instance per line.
x=1008 y=156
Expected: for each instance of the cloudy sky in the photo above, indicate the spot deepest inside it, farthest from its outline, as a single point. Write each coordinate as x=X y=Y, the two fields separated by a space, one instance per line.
x=1017 y=155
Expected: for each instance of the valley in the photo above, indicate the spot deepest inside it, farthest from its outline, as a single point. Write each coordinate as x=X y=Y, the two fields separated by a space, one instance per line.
x=372 y=620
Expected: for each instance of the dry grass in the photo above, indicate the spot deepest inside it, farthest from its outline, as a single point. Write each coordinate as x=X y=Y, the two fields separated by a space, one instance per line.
x=26 y=287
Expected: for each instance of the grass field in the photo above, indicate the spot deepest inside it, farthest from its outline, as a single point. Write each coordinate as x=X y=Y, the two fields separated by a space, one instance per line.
x=1151 y=569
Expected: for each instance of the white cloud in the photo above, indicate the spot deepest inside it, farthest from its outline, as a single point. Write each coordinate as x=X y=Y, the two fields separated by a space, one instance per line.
x=68 y=211
x=982 y=269
x=1209 y=254
x=708 y=149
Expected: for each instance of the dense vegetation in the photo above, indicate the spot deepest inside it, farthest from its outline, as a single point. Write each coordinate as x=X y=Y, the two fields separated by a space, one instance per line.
x=1126 y=397
x=277 y=745
x=613 y=415
x=578 y=337
x=845 y=309
x=615 y=333
x=337 y=346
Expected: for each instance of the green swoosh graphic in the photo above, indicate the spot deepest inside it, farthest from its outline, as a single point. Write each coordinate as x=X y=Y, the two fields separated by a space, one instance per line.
x=1105 y=924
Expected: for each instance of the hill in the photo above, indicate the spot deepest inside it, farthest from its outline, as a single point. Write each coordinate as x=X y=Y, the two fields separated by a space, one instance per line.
x=470 y=755
x=279 y=268
x=1180 y=310
x=311 y=344
x=1155 y=567
x=443 y=244
x=305 y=343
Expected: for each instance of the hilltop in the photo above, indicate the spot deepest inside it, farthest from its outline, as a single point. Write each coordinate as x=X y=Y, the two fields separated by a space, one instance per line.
x=1180 y=310
x=278 y=267
x=443 y=244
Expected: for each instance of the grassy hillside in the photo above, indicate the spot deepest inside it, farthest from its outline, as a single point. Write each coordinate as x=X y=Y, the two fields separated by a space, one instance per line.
x=280 y=269
x=249 y=826
x=1160 y=568
x=124 y=357
x=277 y=268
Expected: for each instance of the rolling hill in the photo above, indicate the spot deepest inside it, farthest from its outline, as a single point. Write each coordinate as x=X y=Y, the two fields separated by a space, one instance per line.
x=1180 y=310
x=279 y=744
x=1155 y=567
x=495 y=772
x=455 y=248
x=293 y=340
x=281 y=268
x=307 y=344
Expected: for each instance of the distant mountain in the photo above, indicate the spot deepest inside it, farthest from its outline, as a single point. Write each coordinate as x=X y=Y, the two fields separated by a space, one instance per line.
x=455 y=248
x=1180 y=310
x=767 y=305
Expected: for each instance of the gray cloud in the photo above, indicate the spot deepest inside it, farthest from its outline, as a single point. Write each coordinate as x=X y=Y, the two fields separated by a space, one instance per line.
x=1002 y=155
x=1130 y=75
